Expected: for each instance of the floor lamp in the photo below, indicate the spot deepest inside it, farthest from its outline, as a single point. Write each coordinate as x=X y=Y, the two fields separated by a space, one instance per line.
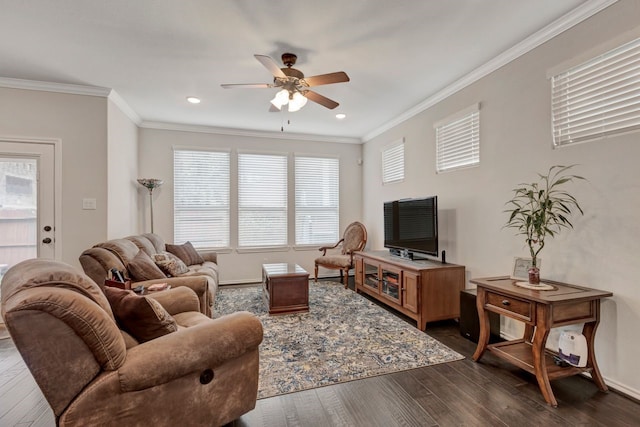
x=150 y=184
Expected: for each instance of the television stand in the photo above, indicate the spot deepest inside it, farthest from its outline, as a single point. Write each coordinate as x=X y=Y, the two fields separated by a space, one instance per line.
x=424 y=290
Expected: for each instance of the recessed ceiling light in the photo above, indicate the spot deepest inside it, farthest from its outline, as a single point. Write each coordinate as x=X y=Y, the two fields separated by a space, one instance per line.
x=193 y=99
x=340 y=116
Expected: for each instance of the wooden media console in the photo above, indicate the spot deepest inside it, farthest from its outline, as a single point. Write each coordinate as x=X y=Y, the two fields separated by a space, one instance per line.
x=424 y=290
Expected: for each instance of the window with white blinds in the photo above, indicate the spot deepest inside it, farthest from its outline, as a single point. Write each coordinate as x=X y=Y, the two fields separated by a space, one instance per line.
x=317 y=200
x=393 y=162
x=458 y=140
x=597 y=98
x=262 y=200
x=201 y=198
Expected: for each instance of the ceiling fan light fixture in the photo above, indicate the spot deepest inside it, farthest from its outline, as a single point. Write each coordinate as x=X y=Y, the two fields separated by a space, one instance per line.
x=281 y=98
x=297 y=101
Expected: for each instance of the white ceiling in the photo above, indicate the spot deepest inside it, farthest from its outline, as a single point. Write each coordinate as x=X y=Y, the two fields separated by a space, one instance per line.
x=155 y=53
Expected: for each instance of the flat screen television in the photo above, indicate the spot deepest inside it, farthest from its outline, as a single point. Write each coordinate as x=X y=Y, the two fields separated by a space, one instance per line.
x=411 y=225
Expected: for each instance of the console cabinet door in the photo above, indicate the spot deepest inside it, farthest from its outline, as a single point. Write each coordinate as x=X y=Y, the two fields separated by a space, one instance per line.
x=410 y=287
x=359 y=278
x=370 y=276
x=390 y=282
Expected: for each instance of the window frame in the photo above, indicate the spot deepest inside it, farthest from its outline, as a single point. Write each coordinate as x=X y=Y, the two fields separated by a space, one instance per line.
x=454 y=125
x=392 y=160
x=214 y=206
x=335 y=209
x=588 y=97
x=284 y=243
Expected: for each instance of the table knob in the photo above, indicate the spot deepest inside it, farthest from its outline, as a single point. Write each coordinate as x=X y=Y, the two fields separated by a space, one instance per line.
x=505 y=302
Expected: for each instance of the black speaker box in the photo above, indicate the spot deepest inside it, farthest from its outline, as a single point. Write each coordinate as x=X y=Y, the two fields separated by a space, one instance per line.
x=469 y=323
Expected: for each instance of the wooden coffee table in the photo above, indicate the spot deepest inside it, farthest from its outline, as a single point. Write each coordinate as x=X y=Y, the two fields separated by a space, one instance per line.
x=285 y=288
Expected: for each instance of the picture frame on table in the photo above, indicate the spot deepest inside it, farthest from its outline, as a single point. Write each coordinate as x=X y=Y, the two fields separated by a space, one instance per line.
x=521 y=268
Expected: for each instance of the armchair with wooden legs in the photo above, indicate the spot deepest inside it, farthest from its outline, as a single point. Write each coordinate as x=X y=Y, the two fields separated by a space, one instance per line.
x=353 y=240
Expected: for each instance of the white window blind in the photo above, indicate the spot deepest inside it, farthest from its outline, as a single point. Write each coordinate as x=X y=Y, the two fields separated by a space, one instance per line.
x=458 y=141
x=393 y=163
x=597 y=98
x=317 y=196
x=201 y=198
x=262 y=200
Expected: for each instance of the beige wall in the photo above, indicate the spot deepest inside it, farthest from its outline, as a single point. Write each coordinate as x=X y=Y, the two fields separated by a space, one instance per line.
x=602 y=250
x=122 y=169
x=80 y=122
x=156 y=161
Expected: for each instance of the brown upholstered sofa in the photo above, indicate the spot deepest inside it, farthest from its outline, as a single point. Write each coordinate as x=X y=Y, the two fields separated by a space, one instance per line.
x=203 y=372
x=119 y=253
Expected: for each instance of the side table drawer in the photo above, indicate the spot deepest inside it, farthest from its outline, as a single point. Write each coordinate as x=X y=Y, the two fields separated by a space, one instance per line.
x=509 y=306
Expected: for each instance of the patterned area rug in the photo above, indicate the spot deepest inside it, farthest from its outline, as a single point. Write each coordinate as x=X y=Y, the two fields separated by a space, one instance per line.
x=344 y=337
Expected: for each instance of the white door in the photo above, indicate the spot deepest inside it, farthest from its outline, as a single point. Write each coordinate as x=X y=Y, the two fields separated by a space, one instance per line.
x=27 y=201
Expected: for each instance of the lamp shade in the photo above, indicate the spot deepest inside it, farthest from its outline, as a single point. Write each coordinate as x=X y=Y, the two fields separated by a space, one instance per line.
x=297 y=101
x=281 y=98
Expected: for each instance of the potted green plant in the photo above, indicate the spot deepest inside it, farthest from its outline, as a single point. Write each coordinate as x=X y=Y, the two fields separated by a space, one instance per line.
x=542 y=209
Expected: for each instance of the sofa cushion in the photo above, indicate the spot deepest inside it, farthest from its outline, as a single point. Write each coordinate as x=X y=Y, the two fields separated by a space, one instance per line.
x=170 y=264
x=186 y=252
x=123 y=248
x=144 y=318
x=142 y=267
x=144 y=244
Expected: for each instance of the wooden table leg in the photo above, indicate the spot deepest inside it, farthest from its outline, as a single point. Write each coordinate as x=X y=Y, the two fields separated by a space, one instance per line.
x=538 y=348
x=589 y=332
x=485 y=327
x=528 y=332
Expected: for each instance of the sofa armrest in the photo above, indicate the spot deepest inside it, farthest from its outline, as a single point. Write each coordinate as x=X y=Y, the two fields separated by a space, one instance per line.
x=177 y=300
x=209 y=256
x=204 y=346
x=199 y=284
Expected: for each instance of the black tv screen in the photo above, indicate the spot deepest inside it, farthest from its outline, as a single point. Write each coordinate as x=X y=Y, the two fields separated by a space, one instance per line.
x=412 y=225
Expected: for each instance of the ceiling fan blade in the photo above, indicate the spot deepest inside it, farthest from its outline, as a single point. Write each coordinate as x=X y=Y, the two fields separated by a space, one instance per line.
x=274 y=109
x=248 y=86
x=270 y=65
x=325 y=79
x=322 y=100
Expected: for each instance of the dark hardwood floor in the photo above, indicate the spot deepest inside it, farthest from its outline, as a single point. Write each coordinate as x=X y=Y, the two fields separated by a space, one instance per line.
x=462 y=393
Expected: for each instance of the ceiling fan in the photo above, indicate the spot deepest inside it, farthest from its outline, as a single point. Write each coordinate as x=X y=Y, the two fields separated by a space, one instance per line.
x=294 y=85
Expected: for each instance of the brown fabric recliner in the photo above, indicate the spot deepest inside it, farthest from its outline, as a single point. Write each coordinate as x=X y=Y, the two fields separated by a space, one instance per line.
x=354 y=240
x=93 y=373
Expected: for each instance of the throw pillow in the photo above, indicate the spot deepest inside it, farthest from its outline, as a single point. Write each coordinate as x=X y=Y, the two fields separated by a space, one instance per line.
x=187 y=253
x=142 y=267
x=170 y=264
x=142 y=317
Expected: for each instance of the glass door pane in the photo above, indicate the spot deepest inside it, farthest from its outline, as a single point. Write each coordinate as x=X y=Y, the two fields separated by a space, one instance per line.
x=391 y=281
x=371 y=276
x=18 y=211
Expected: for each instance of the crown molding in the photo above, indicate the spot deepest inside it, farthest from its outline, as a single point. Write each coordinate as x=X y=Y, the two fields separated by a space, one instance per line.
x=54 y=87
x=560 y=25
x=124 y=107
x=246 y=132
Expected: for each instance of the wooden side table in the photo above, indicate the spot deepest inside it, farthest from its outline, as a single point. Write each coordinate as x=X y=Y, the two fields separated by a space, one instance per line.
x=285 y=288
x=540 y=311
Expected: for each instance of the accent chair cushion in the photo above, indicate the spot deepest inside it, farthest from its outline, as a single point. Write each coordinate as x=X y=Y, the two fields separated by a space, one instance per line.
x=142 y=267
x=144 y=318
x=170 y=264
x=187 y=253
x=334 y=261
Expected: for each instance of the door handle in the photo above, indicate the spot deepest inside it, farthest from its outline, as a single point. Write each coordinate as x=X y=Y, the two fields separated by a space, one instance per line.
x=46 y=240
x=47 y=228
